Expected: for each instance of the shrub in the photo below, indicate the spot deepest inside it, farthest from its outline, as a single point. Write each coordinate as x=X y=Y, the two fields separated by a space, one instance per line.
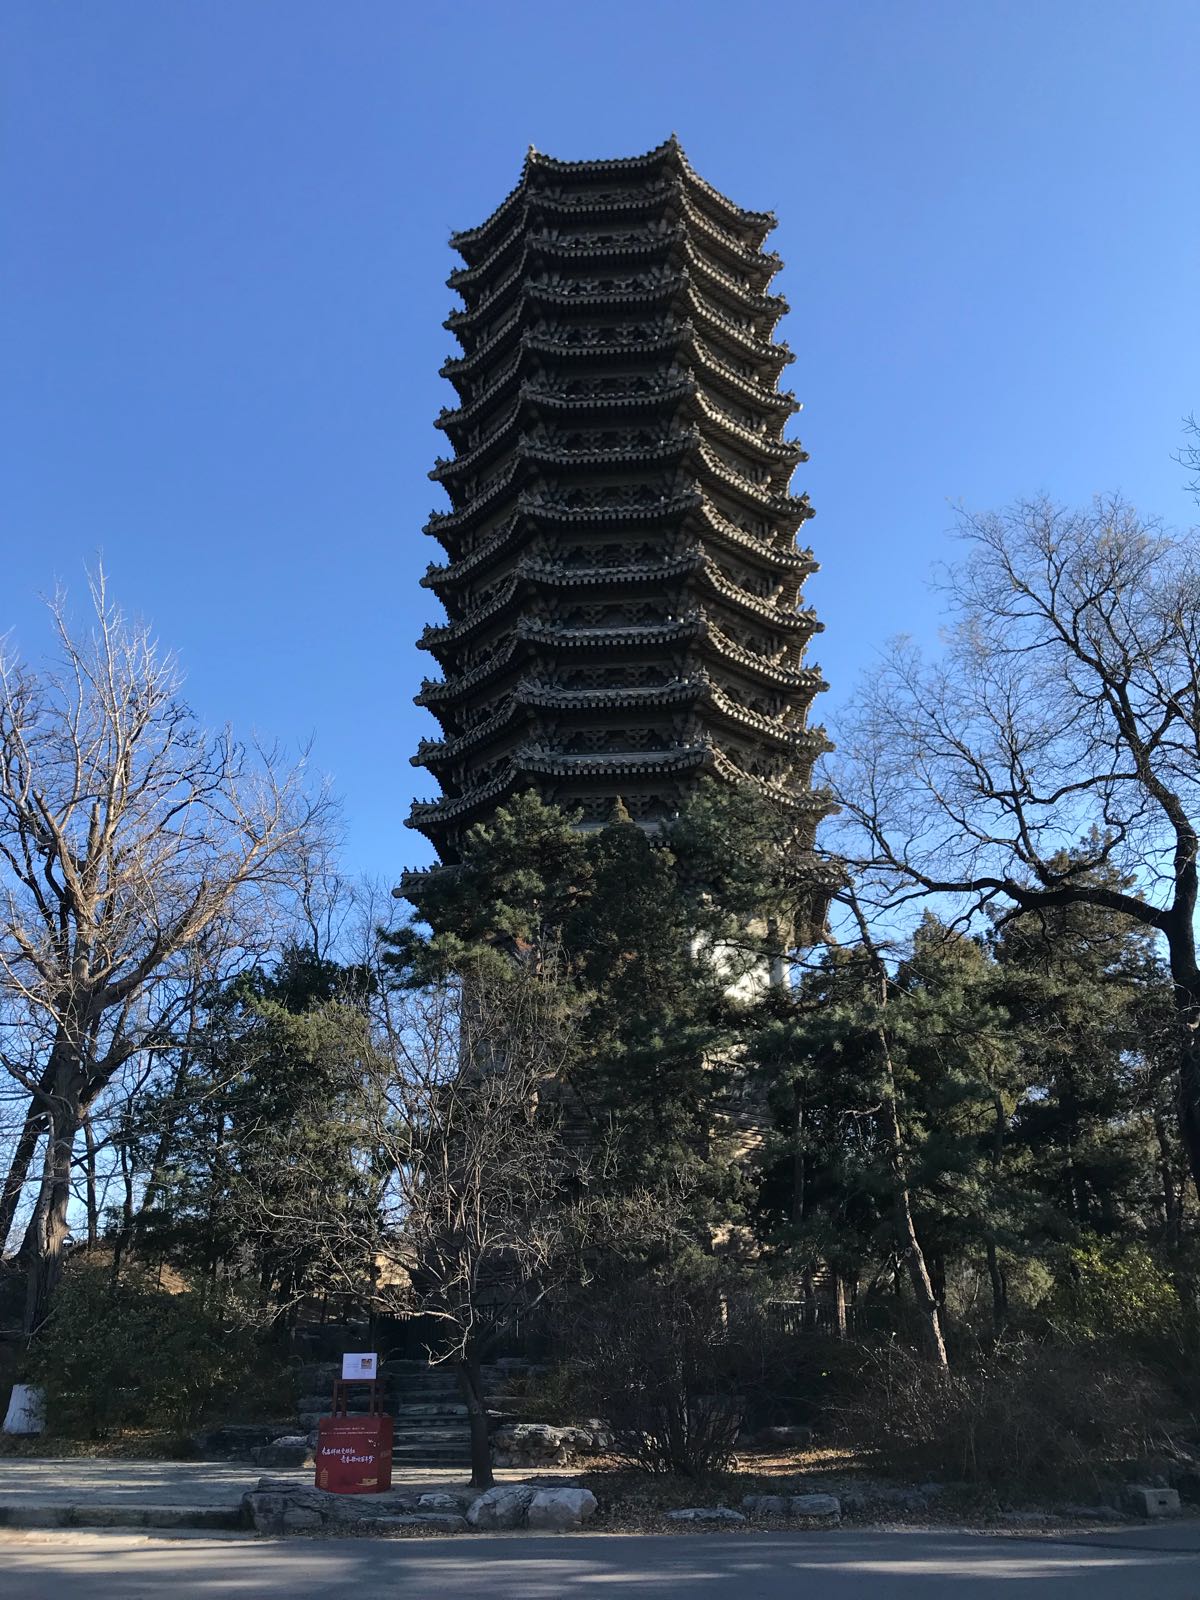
x=555 y=1394
x=1032 y=1416
x=127 y=1354
x=669 y=1361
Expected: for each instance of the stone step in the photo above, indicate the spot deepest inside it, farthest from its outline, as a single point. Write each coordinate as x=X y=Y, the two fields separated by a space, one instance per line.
x=431 y=1436
x=448 y=1403
x=432 y=1455
x=312 y=1406
x=430 y=1408
x=417 y=1416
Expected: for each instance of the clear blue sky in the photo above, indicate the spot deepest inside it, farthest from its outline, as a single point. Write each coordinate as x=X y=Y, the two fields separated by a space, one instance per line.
x=225 y=242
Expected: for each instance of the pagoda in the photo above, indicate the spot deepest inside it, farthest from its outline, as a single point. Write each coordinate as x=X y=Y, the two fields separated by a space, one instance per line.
x=621 y=576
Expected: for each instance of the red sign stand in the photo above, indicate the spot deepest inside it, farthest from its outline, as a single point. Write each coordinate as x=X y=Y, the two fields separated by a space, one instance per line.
x=354 y=1453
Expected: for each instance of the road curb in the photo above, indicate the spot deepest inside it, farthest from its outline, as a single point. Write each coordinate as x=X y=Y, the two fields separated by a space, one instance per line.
x=87 y=1514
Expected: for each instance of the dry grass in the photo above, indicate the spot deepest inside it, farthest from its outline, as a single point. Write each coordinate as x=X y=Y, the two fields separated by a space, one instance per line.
x=634 y=1501
x=134 y=1444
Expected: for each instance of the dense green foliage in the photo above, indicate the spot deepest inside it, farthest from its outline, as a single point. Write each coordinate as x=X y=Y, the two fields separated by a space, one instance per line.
x=611 y=917
x=127 y=1352
x=1033 y=1103
x=262 y=1104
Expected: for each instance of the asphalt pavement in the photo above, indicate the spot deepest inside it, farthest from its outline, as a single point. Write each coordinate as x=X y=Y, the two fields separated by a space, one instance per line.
x=1137 y=1564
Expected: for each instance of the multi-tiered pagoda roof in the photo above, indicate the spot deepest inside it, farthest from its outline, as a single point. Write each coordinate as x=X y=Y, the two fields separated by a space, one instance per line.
x=621 y=575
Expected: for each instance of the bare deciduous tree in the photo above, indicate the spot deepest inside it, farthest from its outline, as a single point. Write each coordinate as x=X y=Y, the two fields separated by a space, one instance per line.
x=1189 y=454
x=1066 y=707
x=458 y=1123
x=127 y=834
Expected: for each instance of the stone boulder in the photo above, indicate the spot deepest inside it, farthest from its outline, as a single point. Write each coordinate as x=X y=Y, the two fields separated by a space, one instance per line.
x=529 y=1444
x=587 y=1438
x=705 y=1514
x=292 y=1450
x=1145 y=1500
x=502 y=1506
x=440 y=1500
x=557 y=1510
x=281 y=1505
x=421 y=1522
x=537 y=1444
x=767 y=1505
x=825 y=1506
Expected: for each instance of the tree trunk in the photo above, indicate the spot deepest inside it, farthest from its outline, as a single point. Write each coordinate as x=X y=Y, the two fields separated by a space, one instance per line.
x=1172 y=1197
x=49 y=1229
x=1187 y=1001
x=918 y=1276
x=999 y=1289
x=471 y=1382
x=93 y=1209
x=911 y=1253
x=125 y=1235
x=18 y=1168
x=908 y=1245
x=798 y=1163
x=937 y=1277
x=839 y=1305
x=809 y=1296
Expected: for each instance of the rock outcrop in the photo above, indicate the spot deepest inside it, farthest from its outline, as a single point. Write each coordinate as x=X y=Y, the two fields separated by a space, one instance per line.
x=537 y=1444
x=281 y=1505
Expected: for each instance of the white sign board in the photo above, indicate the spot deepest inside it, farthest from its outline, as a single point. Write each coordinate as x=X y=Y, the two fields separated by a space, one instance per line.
x=360 y=1366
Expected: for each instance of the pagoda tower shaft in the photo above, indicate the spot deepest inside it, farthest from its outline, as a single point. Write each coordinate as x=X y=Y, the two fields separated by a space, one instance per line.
x=621 y=577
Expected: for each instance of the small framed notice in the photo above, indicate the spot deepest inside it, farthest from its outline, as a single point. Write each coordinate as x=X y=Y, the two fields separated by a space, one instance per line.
x=361 y=1366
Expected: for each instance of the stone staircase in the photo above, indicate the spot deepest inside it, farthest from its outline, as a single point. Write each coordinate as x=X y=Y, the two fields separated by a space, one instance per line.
x=430 y=1426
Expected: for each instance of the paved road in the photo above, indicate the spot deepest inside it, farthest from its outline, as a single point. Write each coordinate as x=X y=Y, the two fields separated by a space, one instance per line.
x=37 y=1481
x=45 y=1481
x=1152 y=1564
